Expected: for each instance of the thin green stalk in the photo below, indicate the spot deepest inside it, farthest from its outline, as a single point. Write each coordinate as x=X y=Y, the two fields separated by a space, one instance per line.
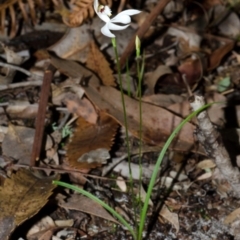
x=103 y=204
x=139 y=95
x=128 y=80
x=159 y=161
x=114 y=43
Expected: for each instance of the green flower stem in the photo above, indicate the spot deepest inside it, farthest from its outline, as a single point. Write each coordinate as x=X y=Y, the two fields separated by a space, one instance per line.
x=114 y=43
x=139 y=95
x=103 y=204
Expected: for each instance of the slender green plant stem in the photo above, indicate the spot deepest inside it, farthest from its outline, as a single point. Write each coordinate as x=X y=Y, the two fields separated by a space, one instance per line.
x=107 y=207
x=114 y=43
x=128 y=79
x=159 y=161
x=139 y=95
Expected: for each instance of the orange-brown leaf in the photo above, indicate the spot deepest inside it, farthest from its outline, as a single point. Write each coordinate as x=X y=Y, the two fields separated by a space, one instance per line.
x=98 y=63
x=88 y=137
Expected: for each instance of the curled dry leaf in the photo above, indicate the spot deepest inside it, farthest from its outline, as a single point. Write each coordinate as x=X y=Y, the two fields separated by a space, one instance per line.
x=216 y=57
x=193 y=69
x=155 y=75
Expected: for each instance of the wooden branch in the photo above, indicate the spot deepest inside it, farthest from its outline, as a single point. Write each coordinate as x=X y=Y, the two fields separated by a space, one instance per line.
x=142 y=30
x=40 y=120
x=214 y=147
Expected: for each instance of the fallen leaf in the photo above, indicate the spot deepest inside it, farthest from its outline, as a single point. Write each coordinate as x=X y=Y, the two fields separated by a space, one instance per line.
x=81 y=107
x=21 y=197
x=230 y=26
x=121 y=184
x=87 y=205
x=206 y=164
x=193 y=69
x=232 y=216
x=74 y=44
x=22 y=109
x=170 y=217
x=97 y=62
x=88 y=137
x=155 y=75
x=20 y=139
x=163 y=100
x=204 y=176
x=158 y=123
x=216 y=57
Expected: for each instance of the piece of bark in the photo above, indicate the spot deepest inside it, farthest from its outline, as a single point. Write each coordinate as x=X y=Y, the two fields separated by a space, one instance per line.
x=213 y=144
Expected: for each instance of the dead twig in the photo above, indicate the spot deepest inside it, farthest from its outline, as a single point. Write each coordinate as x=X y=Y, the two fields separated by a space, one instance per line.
x=7 y=65
x=142 y=30
x=45 y=91
x=212 y=142
x=21 y=84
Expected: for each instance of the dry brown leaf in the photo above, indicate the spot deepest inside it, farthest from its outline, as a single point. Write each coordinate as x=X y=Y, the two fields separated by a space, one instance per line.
x=87 y=205
x=158 y=123
x=170 y=217
x=193 y=69
x=88 y=137
x=81 y=107
x=204 y=176
x=155 y=75
x=20 y=139
x=216 y=57
x=22 y=196
x=232 y=216
x=74 y=44
x=163 y=100
x=206 y=164
x=22 y=109
x=97 y=62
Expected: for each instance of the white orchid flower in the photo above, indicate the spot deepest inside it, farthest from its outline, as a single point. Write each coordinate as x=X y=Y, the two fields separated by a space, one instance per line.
x=104 y=12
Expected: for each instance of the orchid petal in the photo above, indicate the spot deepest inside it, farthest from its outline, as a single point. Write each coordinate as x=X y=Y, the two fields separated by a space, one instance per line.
x=129 y=12
x=116 y=27
x=105 y=31
x=104 y=17
x=124 y=19
x=95 y=5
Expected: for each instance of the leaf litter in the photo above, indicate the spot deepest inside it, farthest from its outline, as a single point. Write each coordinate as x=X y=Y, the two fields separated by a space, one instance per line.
x=187 y=46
